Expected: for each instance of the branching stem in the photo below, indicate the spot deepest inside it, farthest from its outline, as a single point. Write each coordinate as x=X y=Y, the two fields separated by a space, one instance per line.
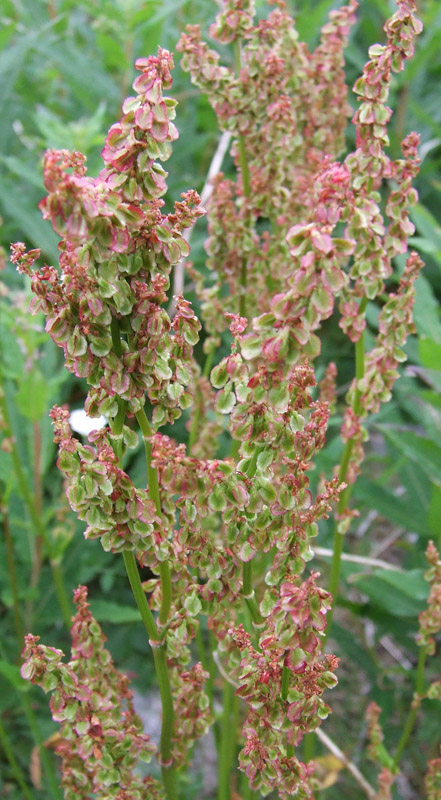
x=246 y=186
x=408 y=728
x=155 y=635
x=343 y=471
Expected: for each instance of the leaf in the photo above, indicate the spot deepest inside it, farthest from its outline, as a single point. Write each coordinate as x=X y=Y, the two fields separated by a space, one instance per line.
x=12 y=674
x=394 y=508
x=401 y=594
x=352 y=649
x=32 y=397
x=426 y=311
x=430 y=353
x=423 y=452
x=106 y=611
x=434 y=514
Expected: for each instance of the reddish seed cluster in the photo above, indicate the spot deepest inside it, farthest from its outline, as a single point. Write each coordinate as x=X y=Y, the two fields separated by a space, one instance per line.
x=116 y=255
x=430 y=619
x=122 y=517
x=101 y=737
x=192 y=710
x=368 y=393
x=378 y=754
x=432 y=780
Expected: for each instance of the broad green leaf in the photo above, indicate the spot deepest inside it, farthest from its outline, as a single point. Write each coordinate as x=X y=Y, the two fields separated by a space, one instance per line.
x=427 y=225
x=12 y=673
x=32 y=396
x=423 y=452
x=426 y=311
x=434 y=515
x=352 y=649
x=400 y=594
x=430 y=353
x=106 y=611
x=394 y=508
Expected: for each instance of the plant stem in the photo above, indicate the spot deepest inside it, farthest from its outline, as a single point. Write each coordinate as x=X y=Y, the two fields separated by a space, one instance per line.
x=15 y=766
x=206 y=659
x=285 y=683
x=19 y=631
x=247 y=569
x=160 y=660
x=40 y=530
x=344 y=465
x=139 y=595
x=152 y=477
x=248 y=592
x=52 y=780
x=246 y=185
x=195 y=423
x=36 y=566
x=419 y=683
x=226 y=750
x=158 y=647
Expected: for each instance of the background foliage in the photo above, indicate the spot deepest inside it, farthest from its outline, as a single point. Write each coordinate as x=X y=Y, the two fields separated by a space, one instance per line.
x=65 y=68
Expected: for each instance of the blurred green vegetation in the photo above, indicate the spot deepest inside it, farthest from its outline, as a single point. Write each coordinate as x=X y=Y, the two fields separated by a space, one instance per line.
x=65 y=67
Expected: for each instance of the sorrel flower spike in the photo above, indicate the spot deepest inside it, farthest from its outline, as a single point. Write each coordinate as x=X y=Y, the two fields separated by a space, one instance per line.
x=280 y=140
x=101 y=737
x=116 y=255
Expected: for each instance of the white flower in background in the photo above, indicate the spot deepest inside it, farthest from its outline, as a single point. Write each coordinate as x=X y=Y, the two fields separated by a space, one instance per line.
x=81 y=423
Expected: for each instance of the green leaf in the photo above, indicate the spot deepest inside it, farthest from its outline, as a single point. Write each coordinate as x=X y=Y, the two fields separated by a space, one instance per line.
x=426 y=311
x=423 y=452
x=430 y=353
x=391 y=507
x=106 y=611
x=32 y=396
x=12 y=674
x=399 y=593
x=434 y=515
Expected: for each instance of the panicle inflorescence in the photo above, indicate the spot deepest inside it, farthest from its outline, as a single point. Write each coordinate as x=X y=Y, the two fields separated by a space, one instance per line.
x=101 y=737
x=378 y=753
x=104 y=306
x=102 y=494
x=432 y=781
x=366 y=394
x=430 y=619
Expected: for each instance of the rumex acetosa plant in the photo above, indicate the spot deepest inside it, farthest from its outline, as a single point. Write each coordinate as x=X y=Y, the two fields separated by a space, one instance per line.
x=298 y=236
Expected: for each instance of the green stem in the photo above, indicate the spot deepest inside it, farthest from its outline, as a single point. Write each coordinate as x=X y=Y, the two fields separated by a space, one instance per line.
x=15 y=766
x=19 y=631
x=408 y=728
x=246 y=184
x=343 y=471
x=158 y=647
x=52 y=779
x=152 y=477
x=285 y=683
x=207 y=661
x=247 y=569
x=309 y=745
x=37 y=523
x=116 y=337
x=248 y=593
x=139 y=595
x=195 y=423
x=226 y=750
x=160 y=660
